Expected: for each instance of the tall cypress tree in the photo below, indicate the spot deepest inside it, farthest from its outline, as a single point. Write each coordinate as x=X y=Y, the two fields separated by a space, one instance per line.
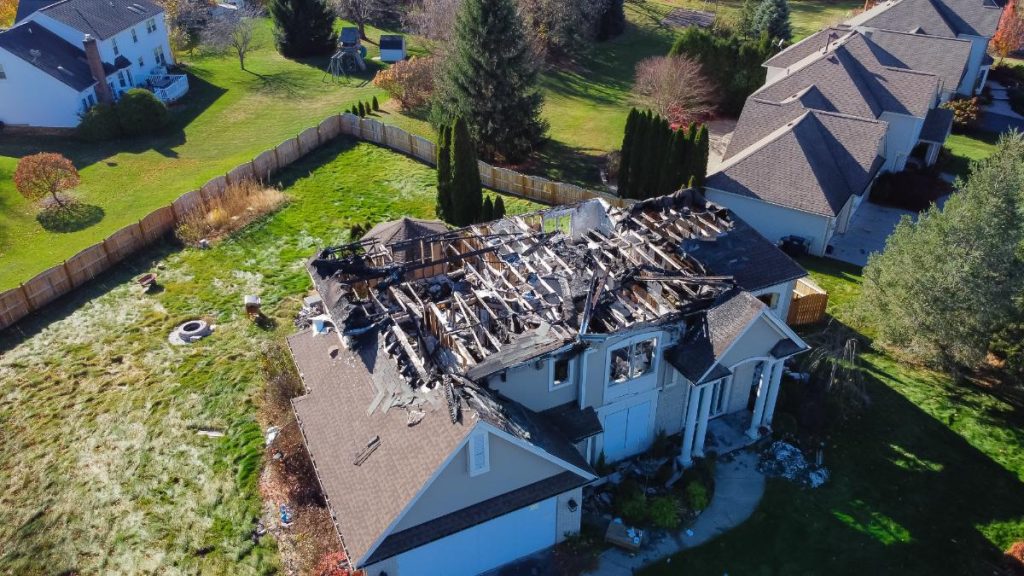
x=444 y=174
x=675 y=161
x=638 y=154
x=302 y=27
x=499 y=208
x=486 y=210
x=490 y=80
x=628 y=141
x=466 y=192
x=702 y=149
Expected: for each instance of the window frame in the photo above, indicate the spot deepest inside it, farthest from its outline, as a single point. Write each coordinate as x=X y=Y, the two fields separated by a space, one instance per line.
x=113 y=45
x=135 y=36
x=631 y=344
x=3 y=73
x=570 y=377
x=150 y=25
x=476 y=453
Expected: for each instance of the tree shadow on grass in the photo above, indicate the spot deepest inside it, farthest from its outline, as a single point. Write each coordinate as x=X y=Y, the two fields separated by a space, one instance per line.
x=71 y=217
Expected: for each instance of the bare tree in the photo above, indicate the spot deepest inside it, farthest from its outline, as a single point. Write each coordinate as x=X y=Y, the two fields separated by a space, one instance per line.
x=364 y=12
x=674 y=87
x=233 y=31
x=433 y=19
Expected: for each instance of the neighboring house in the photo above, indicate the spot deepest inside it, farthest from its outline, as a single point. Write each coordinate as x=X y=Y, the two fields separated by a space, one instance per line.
x=454 y=418
x=63 y=58
x=972 y=20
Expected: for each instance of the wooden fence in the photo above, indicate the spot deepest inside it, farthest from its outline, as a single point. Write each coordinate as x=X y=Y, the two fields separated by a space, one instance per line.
x=808 y=305
x=51 y=284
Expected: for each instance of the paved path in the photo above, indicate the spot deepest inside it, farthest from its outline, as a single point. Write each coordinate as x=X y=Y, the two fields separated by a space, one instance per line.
x=738 y=490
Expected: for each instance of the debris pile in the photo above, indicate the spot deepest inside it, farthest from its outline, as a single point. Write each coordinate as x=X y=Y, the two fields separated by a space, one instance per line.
x=784 y=460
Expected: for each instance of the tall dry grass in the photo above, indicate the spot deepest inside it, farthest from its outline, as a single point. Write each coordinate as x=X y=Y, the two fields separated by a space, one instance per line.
x=239 y=205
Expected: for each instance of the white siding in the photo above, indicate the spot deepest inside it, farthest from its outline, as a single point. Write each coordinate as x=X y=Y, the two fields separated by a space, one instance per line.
x=774 y=221
x=785 y=297
x=978 y=47
x=900 y=139
x=567 y=522
x=30 y=97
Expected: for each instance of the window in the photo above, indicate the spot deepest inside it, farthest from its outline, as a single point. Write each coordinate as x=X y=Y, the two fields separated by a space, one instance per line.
x=561 y=372
x=151 y=25
x=479 y=454
x=158 y=55
x=142 y=62
x=770 y=300
x=121 y=78
x=135 y=37
x=113 y=44
x=3 y=75
x=632 y=361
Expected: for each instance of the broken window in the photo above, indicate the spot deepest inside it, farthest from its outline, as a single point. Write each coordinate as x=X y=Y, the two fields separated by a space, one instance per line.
x=770 y=300
x=633 y=360
x=562 y=372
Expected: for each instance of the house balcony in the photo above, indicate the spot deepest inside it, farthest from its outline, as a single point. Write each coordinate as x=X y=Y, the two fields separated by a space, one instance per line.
x=168 y=87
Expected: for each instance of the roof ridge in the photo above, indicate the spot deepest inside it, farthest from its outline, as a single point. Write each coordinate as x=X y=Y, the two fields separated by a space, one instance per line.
x=764 y=141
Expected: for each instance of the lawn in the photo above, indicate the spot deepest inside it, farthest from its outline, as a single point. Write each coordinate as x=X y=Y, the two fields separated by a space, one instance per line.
x=929 y=481
x=103 y=470
x=965 y=148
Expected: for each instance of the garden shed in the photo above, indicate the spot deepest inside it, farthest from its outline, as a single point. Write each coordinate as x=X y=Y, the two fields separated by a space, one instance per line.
x=392 y=48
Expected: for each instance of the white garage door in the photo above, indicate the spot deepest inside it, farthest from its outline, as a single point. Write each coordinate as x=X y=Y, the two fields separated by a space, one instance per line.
x=486 y=545
x=627 y=432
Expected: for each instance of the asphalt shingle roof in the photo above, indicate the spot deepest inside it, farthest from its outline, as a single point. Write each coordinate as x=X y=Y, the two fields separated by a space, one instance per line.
x=851 y=80
x=404 y=228
x=815 y=43
x=813 y=164
x=49 y=53
x=937 y=125
x=710 y=335
x=101 y=18
x=945 y=57
x=747 y=256
x=934 y=17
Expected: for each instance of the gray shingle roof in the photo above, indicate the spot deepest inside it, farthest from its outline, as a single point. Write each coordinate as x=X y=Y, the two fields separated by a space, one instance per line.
x=813 y=164
x=851 y=80
x=404 y=228
x=759 y=119
x=937 y=125
x=711 y=334
x=815 y=43
x=575 y=423
x=934 y=17
x=748 y=257
x=945 y=57
x=336 y=425
x=101 y=18
x=26 y=7
x=49 y=53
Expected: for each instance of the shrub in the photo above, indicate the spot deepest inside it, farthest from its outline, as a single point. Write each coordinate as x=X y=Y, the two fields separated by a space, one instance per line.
x=663 y=512
x=696 y=495
x=46 y=176
x=361 y=110
x=911 y=189
x=239 y=205
x=966 y=112
x=674 y=87
x=409 y=82
x=140 y=112
x=731 y=62
x=631 y=502
x=99 y=123
x=375 y=105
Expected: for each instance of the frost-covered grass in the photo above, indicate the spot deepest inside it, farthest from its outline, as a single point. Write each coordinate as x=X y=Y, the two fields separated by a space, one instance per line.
x=101 y=467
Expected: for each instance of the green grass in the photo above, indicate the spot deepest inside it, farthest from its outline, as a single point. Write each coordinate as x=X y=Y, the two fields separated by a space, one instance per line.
x=102 y=469
x=966 y=148
x=929 y=481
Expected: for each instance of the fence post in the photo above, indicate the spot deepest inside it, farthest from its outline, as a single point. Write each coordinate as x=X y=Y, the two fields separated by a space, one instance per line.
x=28 y=301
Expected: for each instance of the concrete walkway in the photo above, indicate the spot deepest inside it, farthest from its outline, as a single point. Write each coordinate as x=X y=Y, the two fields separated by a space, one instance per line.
x=738 y=490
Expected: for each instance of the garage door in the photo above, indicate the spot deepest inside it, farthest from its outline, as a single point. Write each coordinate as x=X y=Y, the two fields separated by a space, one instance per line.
x=486 y=545
x=627 y=432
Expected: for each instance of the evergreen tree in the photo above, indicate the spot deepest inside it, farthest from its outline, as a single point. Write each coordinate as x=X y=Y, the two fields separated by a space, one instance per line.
x=302 y=27
x=444 y=174
x=361 y=110
x=628 y=141
x=487 y=210
x=376 y=105
x=701 y=151
x=772 y=18
x=745 y=25
x=675 y=163
x=490 y=80
x=466 y=192
x=639 y=150
x=612 y=21
x=499 y=208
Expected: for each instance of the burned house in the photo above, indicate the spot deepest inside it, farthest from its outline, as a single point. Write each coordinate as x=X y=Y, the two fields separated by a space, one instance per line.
x=475 y=375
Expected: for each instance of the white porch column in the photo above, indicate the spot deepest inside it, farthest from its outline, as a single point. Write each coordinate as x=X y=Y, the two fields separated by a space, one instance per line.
x=762 y=393
x=686 y=456
x=702 y=420
x=773 y=394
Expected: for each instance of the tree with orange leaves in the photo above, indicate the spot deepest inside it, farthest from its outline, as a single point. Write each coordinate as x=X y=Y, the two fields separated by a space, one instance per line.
x=1009 y=36
x=8 y=9
x=46 y=174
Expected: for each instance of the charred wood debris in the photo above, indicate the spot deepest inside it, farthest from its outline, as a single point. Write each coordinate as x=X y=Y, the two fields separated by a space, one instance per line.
x=453 y=308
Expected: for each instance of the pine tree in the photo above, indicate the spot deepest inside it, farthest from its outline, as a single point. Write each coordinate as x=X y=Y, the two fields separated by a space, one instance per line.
x=772 y=17
x=444 y=174
x=376 y=105
x=466 y=192
x=639 y=150
x=701 y=152
x=302 y=27
x=362 y=110
x=499 y=208
x=490 y=80
x=675 y=162
x=745 y=25
x=628 y=141
x=486 y=210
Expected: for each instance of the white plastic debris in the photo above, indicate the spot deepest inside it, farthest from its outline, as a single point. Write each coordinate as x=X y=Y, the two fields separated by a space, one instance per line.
x=787 y=461
x=689 y=532
x=272 y=434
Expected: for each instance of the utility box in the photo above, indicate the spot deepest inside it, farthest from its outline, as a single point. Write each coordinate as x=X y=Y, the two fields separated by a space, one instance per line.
x=392 y=48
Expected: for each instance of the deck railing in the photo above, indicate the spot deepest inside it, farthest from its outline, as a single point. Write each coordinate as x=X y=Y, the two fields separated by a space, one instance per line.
x=171 y=86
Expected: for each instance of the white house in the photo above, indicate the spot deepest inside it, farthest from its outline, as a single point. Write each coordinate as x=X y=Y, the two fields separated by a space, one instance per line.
x=63 y=58
x=477 y=375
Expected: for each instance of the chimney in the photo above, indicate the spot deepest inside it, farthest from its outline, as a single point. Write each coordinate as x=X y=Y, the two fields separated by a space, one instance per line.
x=92 y=56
